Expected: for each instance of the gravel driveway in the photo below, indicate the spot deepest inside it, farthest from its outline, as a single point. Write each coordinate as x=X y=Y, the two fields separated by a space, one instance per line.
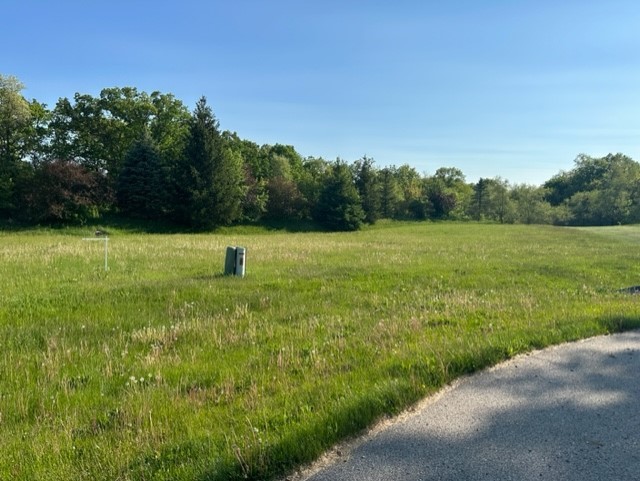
x=571 y=412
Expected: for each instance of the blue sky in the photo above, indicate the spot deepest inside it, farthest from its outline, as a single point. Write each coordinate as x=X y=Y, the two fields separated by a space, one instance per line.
x=515 y=89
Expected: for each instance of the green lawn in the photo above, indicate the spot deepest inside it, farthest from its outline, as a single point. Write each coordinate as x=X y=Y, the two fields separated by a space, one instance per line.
x=161 y=368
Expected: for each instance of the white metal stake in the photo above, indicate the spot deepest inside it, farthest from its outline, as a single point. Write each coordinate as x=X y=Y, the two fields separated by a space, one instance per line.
x=106 y=249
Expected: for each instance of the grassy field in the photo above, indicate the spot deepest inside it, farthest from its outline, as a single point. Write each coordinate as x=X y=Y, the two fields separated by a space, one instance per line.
x=161 y=368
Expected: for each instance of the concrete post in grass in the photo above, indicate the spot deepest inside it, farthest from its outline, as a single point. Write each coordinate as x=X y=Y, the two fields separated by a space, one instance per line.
x=235 y=261
x=230 y=261
x=240 y=261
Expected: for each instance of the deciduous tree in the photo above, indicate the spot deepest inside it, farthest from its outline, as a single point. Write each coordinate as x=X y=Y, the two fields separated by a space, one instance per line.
x=64 y=191
x=15 y=120
x=530 y=205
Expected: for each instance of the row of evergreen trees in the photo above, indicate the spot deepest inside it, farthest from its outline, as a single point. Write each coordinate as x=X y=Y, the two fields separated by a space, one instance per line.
x=146 y=156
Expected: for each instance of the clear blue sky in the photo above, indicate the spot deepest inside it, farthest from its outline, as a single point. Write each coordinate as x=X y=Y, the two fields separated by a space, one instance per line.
x=515 y=89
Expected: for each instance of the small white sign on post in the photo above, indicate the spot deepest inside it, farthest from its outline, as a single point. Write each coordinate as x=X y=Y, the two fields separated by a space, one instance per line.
x=104 y=239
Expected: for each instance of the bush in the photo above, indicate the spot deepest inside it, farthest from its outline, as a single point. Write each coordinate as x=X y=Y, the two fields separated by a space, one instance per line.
x=63 y=191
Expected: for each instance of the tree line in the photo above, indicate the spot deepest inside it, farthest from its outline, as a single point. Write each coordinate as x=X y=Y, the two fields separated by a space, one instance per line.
x=146 y=156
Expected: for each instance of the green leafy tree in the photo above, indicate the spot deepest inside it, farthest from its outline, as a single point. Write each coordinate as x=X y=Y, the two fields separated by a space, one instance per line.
x=410 y=183
x=15 y=122
x=446 y=194
x=125 y=117
x=500 y=205
x=491 y=200
x=452 y=194
x=285 y=162
x=281 y=169
x=339 y=207
x=284 y=199
x=254 y=203
x=15 y=117
x=530 y=205
x=251 y=154
x=229 y=187
x=613 y=198
x=438 y=201
x=97 y=132
x=37 y=134
x=76 y=130
x=168 y=125
x=598 y=191
x=315 y=172
x=585 y=176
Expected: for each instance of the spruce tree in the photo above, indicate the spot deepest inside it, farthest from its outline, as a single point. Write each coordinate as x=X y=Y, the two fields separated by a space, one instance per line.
x=390 y=194
x=200 y=156
x=339 y=206
x=210 y=175
x=141 y=182
x=369 y=188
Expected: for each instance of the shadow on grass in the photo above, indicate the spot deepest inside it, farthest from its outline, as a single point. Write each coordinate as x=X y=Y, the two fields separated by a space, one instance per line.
x=293 y=226
x=211 y=277
x=142 y=226
x=107 y=222
x=630 y=290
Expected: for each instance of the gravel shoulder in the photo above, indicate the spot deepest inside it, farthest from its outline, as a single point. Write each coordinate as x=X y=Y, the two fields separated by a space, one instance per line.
x=570 y=412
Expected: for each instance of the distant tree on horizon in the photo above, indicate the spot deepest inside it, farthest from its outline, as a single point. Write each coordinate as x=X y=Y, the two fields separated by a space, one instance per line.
x=188 y=172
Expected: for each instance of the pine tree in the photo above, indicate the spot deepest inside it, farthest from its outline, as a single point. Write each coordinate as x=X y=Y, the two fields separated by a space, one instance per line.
x=209 y=179
x=339 y=206
x=141 y=183
x=200 y=156
x=480 y=191
x=368 y=188
x=390 y=194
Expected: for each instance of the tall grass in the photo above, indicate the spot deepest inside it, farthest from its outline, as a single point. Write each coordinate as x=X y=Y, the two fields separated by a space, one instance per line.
x=161 y=368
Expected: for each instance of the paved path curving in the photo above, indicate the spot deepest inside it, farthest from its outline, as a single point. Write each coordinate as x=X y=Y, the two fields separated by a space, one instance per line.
x=571 y=412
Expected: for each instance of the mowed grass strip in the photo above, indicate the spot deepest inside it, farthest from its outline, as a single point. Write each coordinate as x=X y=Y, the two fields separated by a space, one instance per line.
x=161 y=368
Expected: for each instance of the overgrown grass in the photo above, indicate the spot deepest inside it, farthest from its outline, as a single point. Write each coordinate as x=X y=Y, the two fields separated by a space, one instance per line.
x=163 y=369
